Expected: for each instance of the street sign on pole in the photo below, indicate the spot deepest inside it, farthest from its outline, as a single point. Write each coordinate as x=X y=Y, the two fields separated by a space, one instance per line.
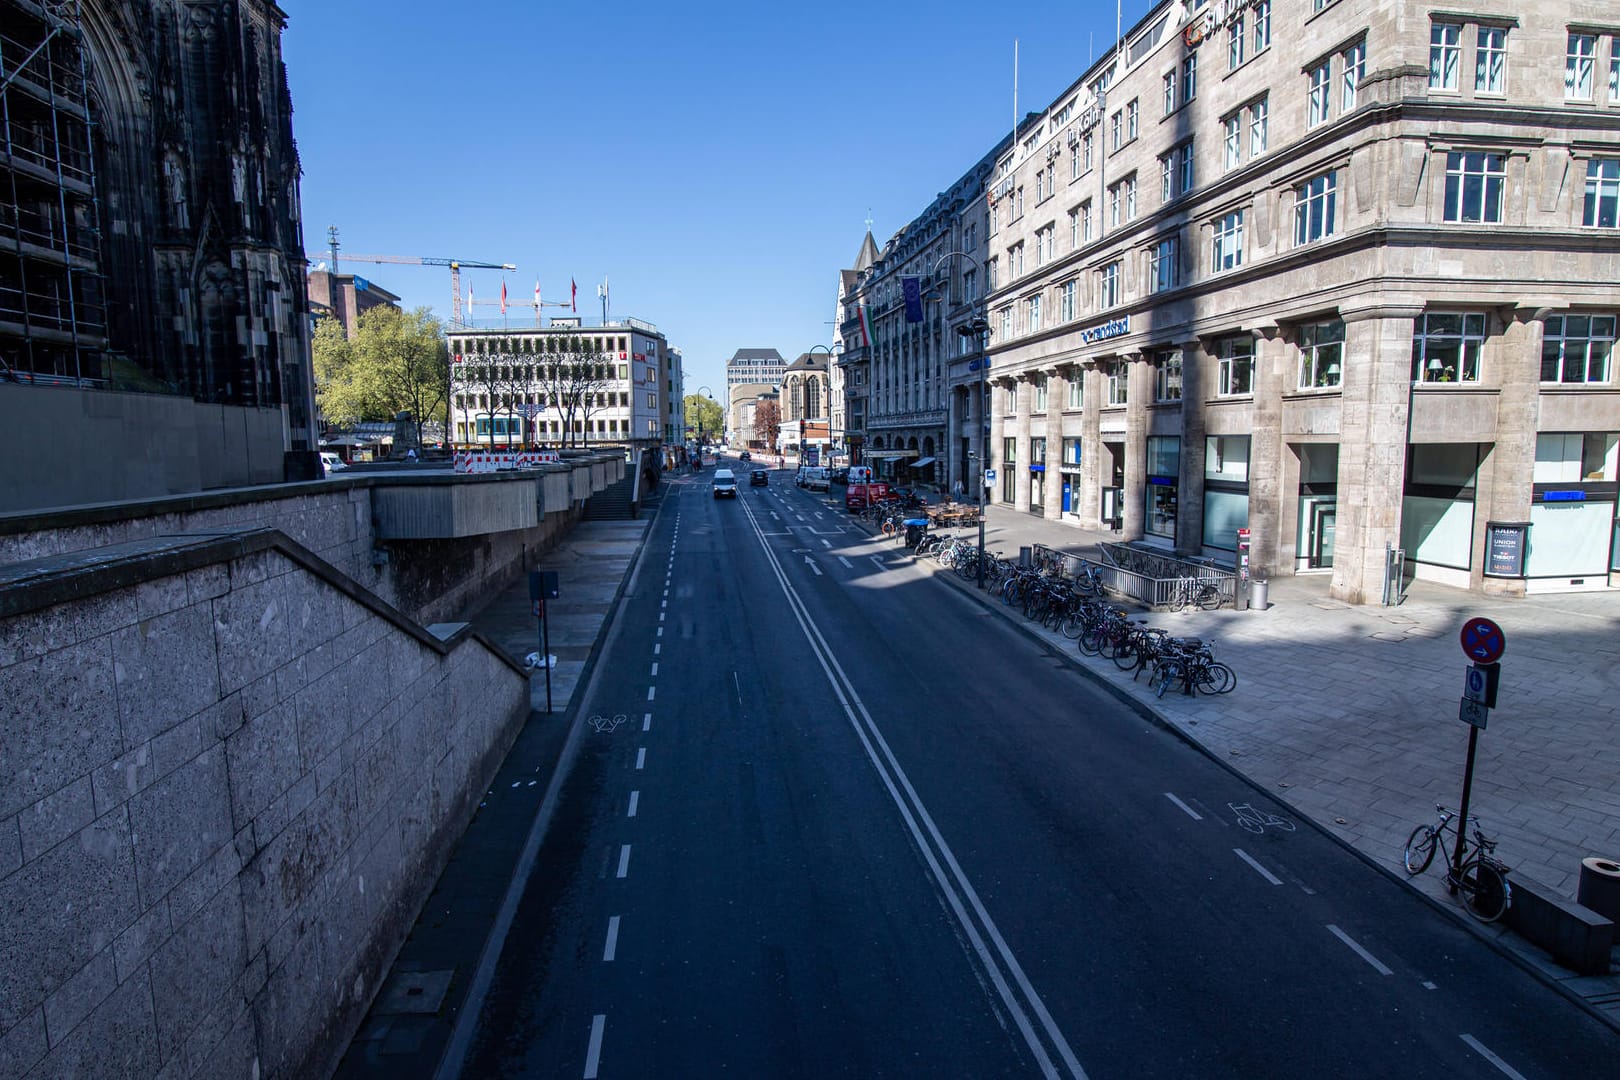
x=1480 y=682
x=1483 y=641
x=989 y=477
x=1474 y=713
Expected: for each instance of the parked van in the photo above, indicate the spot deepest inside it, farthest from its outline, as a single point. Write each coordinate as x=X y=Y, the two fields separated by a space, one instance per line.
x=813 y=477
x=331 y=463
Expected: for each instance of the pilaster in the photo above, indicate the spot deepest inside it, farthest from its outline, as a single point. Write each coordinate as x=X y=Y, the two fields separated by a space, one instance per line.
x=1190 y=511
x=1093 y=457
x=1271 y=370
x=1504 y=489
x=1138 y=391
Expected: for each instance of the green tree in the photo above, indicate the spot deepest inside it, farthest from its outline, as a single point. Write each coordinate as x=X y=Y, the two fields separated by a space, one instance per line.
x=398 y=361
x=703 y=414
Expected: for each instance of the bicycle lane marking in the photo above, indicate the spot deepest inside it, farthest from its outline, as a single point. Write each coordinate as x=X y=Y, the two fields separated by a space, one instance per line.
x=1480 y=1049
x=1195 y=815
x=1356 y=947
x=1262 y=871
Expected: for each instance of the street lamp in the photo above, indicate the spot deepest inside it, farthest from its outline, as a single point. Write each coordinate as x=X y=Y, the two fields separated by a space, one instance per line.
x=976 y=327
x=706 y=392
x=832 y=358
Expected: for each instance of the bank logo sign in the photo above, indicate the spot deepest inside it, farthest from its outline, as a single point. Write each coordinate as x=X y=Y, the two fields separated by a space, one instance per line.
x=1113 y=328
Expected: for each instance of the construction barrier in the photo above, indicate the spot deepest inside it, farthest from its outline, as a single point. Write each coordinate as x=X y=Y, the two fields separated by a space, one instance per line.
x=481 y=462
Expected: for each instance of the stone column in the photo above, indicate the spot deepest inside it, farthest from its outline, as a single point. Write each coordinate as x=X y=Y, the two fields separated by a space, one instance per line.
x=1504 y=491
x=1376 y=402
x=1023 y=400
x=1057 y=389
x=1138 y=391
x=1092 y=455
x=1271 y=370
x=993 y=443
x=1190 y=508
x=951 y=452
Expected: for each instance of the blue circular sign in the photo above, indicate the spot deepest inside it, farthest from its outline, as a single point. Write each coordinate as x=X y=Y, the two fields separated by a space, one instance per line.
x=1483 y=641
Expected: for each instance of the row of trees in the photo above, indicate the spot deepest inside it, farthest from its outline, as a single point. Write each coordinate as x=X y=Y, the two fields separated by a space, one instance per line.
x=399 y=361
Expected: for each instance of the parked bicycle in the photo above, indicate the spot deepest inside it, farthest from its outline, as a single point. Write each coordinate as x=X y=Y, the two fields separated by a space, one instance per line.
x=1481 y=879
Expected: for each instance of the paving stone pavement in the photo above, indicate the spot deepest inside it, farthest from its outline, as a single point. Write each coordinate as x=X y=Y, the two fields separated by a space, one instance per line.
x=1349 y=714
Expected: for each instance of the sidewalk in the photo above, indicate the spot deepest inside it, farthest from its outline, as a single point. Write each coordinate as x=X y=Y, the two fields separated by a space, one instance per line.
x=1349 y=715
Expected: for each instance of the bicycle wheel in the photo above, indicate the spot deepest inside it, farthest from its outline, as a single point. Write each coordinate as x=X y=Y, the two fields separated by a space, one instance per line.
x=1072 y=625
x=1419 y=849
x=1090 y=639
x=1216 y=678
x=1125 y=654
x=1167 y=676
x=1485 y=890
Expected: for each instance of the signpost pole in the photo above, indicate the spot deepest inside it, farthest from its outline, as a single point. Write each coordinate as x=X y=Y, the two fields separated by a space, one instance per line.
x=1484 y=643
x=1462 y=816
x=545 y=656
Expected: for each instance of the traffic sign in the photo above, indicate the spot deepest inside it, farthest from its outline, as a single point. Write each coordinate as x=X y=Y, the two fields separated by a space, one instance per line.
x=989 y=476
x=1483 y=641
x=1472 y=712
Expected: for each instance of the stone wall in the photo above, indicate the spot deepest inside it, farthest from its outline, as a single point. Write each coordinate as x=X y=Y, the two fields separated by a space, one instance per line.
x=230 y=777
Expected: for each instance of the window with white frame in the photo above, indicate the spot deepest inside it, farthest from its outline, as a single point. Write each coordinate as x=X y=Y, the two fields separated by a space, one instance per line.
x=1045 y=245
x=1170 y=91
x=1236 y=39
x=1006 y=324
x=1118 y=381
x=1446 y=346
x=1614 y=68
x=1116 y=130
x=1066 y=301
x=968 y=284
x=1228 y=247
x=1232 y=141
x=1189 y=77
x=1260 y=19
x=990 y=268
x=1445 y=55
x=1167 y=376
x=1077 y=394
x=1490 y=60
x=1580 y=59
x=1108 y=285
x=1354 y=62
x=1018 y=203
x=1164 y=264
x=1474 y=181
x=1087 y=143
x=1602 y=209
x=1085 y=222
x=1167 y=176
x=1130 y=198
x=1316 y=104
x=1235 y=366
x=1184 y=163
x=1074 y=228
x=1009 y=406
x=1040 y=406
x=1321 y=355
x=1114 y=203
x=1315 y=203
x=1032 y=314
x=1577 y=348
x=1040 y=186
x=995 y=220
x=1074 y=164
x=1132 y=120
x=1259 y=126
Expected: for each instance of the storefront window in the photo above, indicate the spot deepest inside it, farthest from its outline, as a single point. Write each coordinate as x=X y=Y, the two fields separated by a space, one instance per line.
x=1437 y=513
x=1071 y=451
x=1226 y=489
x=1163 y=484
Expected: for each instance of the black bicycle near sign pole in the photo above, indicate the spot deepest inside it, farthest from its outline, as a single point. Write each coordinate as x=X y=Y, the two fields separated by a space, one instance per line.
x=1476 y=873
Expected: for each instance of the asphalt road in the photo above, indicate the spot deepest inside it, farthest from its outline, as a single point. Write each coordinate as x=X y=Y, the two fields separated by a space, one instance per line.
x=840 y=821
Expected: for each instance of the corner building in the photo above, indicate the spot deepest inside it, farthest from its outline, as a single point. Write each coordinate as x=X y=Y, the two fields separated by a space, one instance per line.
x=1341 y=274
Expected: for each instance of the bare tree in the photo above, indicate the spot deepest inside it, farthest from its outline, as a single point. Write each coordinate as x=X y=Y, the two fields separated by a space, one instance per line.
x=768 y=423
x=574 y=375
x=498 y=376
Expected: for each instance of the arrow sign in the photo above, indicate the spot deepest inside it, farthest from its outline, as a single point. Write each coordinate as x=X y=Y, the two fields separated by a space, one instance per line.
x=1483 y=641
x=811 y=563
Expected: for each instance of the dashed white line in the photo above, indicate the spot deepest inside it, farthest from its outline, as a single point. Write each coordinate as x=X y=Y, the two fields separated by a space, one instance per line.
x=624 y=861
x=1427 y=985
x=657 y=648
x=612 y=946
x=651 y=690
x=1377 y=964
x=660 y=631
x=635 y=800
x=1263 y=872
x=646 y=721
x=641 y=757
x=1195 y=815
x=825 y=542
x=1479 y=1048
x=661 y=616
x=664 y=604
x=655 y=669
x=593 y=1053
x=847 y=564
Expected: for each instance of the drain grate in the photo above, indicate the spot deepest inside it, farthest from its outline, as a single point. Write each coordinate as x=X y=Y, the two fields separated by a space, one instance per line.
x=414 y=992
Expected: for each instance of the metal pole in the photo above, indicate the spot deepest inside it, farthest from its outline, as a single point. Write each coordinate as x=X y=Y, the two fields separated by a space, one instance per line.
x=545 y=650
x=983 y=451
x=1462 y=816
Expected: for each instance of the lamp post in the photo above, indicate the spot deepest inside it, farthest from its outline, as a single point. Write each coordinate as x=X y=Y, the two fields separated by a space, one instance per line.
x=976 y=327
x=706 y=392
x=832 y=358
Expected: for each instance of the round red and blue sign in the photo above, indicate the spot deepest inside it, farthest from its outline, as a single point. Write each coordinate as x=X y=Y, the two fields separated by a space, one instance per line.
x=1483 y=641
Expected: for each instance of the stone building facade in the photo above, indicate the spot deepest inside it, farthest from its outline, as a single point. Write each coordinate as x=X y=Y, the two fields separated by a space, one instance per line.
x=1342 y=275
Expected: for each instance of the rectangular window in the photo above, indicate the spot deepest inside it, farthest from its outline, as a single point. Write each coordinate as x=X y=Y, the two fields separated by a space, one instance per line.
x=1236 y=366
x=1167 y=176
x=1354 y=60
x=1085 y=222
x=1116 y=130
x=1235 y=41
x=990 y=275
x=1445 y=55
x=1446 y=347
x=1259 y=125
x=1130 y=199
x=1170 y=91
x=1040 y=186
x=1261 y=38
x=1314 y=204
x=1232 y=141
x=1189 y=78
x=1108 y=288
x=1577 y=348
x=1071 y=450
x=1113 y=204
x=1316 y=106
x=1474 y=181
x=1490 y=60
x=1576 y=458
x=1077 y=396
x=1118 y=380
x=1041 y=405
x=1602 y=193
x=1032 y=313
x=1226 y=457
x=1066 y=309
x=1017 y=267
x=1074 y=228
x=1185 y=163
x=1614 y=93
x=1074 y=165
x=1167 y=377
x=969 y=293
x=1132 y=119
x=1321 y=354
x=1006 y=323
x=1087 y=143
x=1164 y=264
x=1228 y=250
x=1579 y=58
x=1018 y=203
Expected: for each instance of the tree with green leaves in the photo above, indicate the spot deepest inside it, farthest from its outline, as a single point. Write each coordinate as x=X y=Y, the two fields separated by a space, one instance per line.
x=703 y=414
x=396 y=362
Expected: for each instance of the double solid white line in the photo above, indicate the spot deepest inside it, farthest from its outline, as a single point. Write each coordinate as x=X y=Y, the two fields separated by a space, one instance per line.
x=1029 y=1013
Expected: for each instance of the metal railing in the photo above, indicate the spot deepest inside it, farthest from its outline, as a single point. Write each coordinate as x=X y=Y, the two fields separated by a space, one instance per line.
x=1157 y=580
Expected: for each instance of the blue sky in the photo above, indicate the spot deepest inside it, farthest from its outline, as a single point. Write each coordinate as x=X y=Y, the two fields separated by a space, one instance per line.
x=716 y=162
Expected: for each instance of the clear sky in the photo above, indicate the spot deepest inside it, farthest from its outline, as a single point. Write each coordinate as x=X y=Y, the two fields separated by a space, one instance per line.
x=715 y=162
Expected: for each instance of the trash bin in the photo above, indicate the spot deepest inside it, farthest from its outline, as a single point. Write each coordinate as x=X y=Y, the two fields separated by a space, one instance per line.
x=1026 y=556
x=1600 y=886
x=915 y=527
x=1259 y=594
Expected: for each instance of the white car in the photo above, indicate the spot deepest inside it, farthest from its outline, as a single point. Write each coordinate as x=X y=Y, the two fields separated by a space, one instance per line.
x=332 y=463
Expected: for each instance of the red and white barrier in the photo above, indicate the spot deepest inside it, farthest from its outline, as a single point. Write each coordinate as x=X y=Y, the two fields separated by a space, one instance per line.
x=478 y=461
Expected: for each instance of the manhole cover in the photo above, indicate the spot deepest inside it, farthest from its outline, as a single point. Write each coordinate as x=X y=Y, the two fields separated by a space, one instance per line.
x=414 y=992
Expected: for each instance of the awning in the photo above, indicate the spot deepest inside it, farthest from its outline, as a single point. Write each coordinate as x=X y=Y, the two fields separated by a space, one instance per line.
x=920 y=462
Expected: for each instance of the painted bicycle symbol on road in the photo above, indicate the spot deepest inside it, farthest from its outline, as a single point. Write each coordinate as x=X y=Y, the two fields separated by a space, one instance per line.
x=1256 y=821
x=606 y=726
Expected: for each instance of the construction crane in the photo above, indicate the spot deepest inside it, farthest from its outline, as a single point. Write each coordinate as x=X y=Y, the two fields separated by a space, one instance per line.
x=455 y=265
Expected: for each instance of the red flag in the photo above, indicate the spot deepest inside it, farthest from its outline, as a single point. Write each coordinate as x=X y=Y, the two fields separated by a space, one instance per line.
x=573 y=295
x=503 y=296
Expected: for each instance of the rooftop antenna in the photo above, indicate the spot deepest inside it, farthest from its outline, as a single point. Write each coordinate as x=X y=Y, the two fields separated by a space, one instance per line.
x=332 y=240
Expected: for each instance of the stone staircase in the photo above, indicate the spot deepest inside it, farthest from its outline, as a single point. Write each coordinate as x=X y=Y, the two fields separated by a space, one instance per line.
x=613 y=502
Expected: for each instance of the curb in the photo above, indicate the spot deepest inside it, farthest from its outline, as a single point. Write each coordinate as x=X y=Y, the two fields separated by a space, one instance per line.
x=1147 y=712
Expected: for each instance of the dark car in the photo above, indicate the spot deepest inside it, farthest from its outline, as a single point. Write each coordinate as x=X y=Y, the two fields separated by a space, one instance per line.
x=759 y=478
x=745 y=456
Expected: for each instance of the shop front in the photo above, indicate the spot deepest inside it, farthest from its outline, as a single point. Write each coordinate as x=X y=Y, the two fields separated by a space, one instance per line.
x=1163 y=486
x=1572 y=536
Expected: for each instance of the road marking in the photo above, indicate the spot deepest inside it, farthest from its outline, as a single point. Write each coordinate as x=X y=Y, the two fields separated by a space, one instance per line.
x=641 y=756
x=593 y=1053
x=624 y=861
x=825 y=542
x=1427 y=985
x=1479 y=1048
x=657 y=648
x=666 y=592
x=877 y=560
x=635 y=800
x=847 y=564
x=1377 y=964
x=646 y=721
x=612 y=940
x=660 y=631
x=655 y=669
x=664 y=604
x=660 y=616
x=651 y=690
x=1195 y=815
x=1267 y=874
x=811 y=563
